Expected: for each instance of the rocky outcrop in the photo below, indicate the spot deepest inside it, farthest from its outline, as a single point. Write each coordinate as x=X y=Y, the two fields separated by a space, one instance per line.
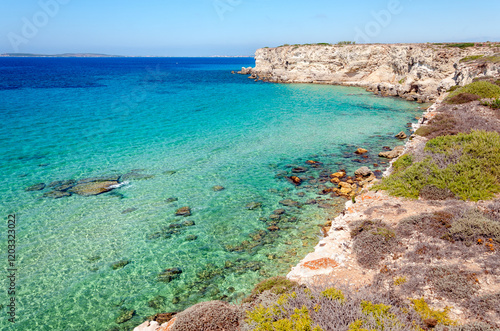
x=418 y=72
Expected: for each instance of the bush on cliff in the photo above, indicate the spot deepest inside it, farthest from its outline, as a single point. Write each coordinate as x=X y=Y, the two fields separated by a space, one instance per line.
x=482 y=89
x=466 y=164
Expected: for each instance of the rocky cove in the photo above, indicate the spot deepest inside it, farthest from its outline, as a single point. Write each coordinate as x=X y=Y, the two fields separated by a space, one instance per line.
x=419 y=72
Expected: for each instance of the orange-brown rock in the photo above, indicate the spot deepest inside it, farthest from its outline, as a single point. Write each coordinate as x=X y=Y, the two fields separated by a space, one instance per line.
x=361 y=151
x=322 y=263
x=339 y=174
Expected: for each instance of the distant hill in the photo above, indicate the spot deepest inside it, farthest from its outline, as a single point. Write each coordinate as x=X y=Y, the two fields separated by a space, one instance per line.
x=57 y=55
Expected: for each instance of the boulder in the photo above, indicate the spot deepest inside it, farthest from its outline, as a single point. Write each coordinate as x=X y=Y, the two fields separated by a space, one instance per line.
x=339 y=174
x=183 y=211
x=93 y=188
x=363 y=171
x=295 y=180
x=361 y=151
x=401 y=135
x=167 y=275
x=397 y=151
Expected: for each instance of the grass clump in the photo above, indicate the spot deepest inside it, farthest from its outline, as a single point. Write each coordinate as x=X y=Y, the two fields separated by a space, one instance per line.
x=483 y=89
x=453 y=283
x=376 y=317
x=471 y=58
x=466 y=164
x=426 y=313
x=333 y=294
x=277 y=285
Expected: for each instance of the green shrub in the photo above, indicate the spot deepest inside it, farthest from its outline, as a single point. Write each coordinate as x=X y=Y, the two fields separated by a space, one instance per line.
x=466 y=164
x=461 y=45
x=462 y=98
x=473 y=226
x=402 y=162
x=425 y=312
x=482 y=89
x=277 y=285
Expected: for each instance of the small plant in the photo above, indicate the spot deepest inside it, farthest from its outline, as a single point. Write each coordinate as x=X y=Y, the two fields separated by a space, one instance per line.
x=402 y=162
x=375 y=315
x=333 y=294
x=441 y=317
x=494 y=104
x=400 y=281
x=373 y=241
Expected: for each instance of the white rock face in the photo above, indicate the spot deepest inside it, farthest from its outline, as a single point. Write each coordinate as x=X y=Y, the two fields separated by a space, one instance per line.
x=419 y=72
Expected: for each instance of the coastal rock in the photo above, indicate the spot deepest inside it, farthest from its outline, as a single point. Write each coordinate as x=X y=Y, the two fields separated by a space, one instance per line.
x=397 y=151
x=93 y=188
x=416 y=72
x=361 y=151
x=401 y=135
x=295 y=180
x=363 y=171
x=183 y=211
x=56 y=194
x=339 y=174
x=36 y=187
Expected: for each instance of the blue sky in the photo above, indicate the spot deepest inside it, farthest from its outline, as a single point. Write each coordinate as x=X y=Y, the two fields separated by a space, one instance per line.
x=234 y=27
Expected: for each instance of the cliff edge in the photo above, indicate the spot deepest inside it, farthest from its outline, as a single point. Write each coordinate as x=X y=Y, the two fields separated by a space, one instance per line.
x=417 y=72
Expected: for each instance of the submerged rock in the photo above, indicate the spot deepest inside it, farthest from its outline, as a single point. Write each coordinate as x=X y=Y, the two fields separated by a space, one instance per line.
x=217 y=188
x=125 y=316
x=135 y=176
x=299 y=170
x=289 y=203
x=129 y=210
x=168 y=275
x=191 y=237
x=183 y=211
x=62 y=185
x=295 y=180
x=253 y=205
x=170 y=200
x=113 y=178
x=119 y=264
x=36 y=187
x=56 y=194
x=93 y=188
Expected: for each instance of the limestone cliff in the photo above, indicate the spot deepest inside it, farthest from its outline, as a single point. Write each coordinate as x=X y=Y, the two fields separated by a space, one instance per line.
x=419 y=72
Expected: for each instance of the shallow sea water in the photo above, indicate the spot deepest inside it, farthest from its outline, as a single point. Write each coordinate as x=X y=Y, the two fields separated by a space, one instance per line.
x=178 y=127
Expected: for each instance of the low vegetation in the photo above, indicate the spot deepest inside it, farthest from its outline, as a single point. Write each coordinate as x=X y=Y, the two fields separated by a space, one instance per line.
x=471 y=58
x=461 y=45
x=468 y=165
x=481 y=89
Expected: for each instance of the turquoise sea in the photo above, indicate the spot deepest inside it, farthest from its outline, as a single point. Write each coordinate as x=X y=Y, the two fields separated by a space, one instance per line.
x=169 y=129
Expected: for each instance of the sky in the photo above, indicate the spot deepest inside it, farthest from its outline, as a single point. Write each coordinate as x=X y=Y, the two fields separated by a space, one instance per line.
x=234 y=27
